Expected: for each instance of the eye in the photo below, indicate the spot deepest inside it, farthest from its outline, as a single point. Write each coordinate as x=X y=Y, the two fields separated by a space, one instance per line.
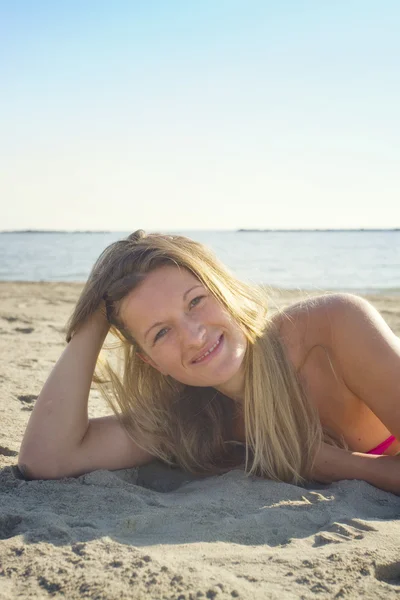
x=196 y=301
x=160 y=334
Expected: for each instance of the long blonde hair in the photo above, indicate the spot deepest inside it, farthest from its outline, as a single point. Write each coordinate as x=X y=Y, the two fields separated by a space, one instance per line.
x=193 y=426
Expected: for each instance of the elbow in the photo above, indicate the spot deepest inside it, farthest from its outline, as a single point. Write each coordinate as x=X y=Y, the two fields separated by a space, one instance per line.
x=32 y=467
x=40 y=466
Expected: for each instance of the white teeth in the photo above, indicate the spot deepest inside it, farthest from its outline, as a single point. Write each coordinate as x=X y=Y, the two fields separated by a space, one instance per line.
x=208 y=351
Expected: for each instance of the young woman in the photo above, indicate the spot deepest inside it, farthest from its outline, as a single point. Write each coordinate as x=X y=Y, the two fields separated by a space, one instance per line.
x=210 y=380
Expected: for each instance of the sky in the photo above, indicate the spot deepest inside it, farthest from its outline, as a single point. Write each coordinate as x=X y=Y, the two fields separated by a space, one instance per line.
x=207 y=114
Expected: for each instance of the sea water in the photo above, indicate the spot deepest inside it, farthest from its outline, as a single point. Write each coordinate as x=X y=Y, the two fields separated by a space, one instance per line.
x=311 y=260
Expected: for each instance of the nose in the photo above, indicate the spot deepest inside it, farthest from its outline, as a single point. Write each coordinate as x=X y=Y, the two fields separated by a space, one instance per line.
x=192 y=333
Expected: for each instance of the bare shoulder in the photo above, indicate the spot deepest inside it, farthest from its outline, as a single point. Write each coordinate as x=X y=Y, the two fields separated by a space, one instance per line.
x=314 y=321
x=368 y=355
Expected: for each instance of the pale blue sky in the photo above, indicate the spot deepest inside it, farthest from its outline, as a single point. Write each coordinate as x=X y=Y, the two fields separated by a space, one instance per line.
x=212 y=114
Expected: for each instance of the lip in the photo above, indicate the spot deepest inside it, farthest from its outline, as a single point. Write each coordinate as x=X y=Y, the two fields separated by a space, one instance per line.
x=212 y=354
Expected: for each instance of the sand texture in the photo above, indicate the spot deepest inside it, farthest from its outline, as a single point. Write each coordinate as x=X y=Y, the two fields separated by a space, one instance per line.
x=157 y=533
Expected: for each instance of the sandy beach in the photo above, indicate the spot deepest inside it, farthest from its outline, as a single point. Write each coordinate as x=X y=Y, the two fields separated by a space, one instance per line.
x=158 y=533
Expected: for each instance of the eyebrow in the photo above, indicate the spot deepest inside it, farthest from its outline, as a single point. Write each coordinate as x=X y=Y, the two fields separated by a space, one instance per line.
x=184 y=298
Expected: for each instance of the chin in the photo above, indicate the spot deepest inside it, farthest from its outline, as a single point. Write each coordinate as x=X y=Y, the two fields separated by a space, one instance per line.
x=224 y=376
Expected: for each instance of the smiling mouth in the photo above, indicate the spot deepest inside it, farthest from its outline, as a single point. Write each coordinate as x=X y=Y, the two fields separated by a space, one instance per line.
x=209 y=352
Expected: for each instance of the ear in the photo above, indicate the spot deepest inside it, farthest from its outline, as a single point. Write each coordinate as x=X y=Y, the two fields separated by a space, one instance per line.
x=151 y=362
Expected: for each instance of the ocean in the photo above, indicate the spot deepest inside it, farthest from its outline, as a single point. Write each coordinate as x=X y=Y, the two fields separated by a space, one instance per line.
x=360 y=261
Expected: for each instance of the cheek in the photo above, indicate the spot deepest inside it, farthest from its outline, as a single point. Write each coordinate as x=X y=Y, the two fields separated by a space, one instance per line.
x=166 y=357
x=217 y=315
x=230 y=323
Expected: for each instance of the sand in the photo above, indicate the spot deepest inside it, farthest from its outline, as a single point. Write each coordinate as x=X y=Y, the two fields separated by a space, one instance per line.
x=158 y=533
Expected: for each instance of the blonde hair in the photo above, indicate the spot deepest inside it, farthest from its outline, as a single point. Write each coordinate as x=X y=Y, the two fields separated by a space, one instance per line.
x=193 y=426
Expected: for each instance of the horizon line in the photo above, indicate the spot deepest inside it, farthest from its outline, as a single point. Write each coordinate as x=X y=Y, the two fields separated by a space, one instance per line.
x=241 y=230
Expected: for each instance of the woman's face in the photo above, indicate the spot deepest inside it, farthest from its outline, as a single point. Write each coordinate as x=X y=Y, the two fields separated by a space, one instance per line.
x=182 y=329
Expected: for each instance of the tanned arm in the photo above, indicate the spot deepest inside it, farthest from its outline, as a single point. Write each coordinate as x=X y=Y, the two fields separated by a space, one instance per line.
x=60 y=440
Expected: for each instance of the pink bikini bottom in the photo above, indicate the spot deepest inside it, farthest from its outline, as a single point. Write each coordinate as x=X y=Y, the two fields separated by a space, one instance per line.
x=380 y=449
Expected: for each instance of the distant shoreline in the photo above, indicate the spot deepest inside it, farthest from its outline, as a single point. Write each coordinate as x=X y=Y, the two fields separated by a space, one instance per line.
x=53 y=231
x=363 y=229
x=59 y=231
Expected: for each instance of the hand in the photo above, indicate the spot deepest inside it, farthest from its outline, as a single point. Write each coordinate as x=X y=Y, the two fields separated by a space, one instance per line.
x=97 y=321
x=101 y=313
